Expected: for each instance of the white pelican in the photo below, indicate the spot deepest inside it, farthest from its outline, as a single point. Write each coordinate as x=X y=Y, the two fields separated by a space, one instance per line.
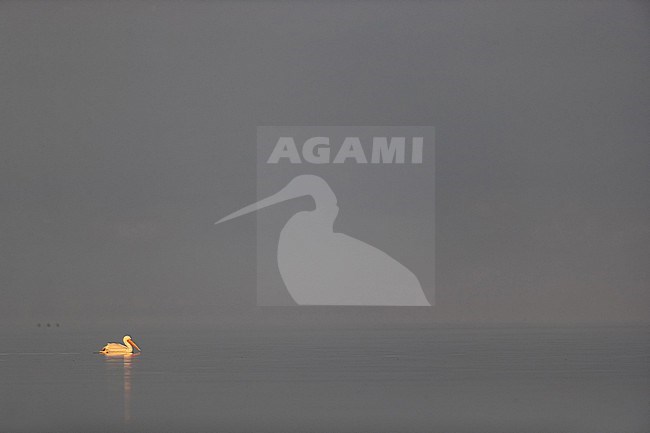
x=322 y=267
x=120 y=349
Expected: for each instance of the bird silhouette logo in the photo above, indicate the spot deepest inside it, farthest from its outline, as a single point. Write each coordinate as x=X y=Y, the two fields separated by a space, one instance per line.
x=322 y=267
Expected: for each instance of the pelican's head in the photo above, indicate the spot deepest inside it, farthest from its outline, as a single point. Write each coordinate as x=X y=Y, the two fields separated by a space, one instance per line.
x=129 y=342
x=299 y=186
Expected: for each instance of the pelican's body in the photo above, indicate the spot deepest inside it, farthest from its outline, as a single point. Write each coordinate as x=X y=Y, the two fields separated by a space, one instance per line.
x=120 y=349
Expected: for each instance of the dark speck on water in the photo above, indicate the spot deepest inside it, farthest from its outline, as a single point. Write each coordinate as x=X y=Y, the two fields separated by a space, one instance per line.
x=501 y=380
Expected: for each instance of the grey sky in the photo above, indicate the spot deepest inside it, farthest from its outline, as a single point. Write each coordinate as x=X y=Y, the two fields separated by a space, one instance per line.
x=128 y=128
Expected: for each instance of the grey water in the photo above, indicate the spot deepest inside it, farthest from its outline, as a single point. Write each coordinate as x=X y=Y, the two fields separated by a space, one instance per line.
x=496 y=379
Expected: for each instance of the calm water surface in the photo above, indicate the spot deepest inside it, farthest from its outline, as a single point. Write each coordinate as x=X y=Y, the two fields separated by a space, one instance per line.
x=425 y=380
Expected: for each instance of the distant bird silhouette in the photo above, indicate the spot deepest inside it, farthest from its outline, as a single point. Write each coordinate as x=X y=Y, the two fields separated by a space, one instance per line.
x=321 y=267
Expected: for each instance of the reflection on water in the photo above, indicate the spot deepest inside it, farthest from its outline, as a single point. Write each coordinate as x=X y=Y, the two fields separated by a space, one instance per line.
x=124 y=363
